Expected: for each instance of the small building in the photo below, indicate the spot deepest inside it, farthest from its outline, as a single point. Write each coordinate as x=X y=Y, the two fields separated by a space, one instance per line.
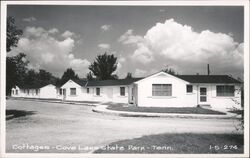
x=118 y=91
x=165 y=90
x=35 y=91
x=161 y=89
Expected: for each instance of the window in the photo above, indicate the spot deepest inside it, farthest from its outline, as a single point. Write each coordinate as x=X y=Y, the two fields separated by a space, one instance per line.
x=225 y=90
x=189 y=88
x=72 y=91
x=37 y=91
x=87 y=90
x=28 y=91
x=203 y=98
x=97 y=91
x=122 y=91
x=13 y=92
x=60 y=91
x=16 y=92
x=162 y=89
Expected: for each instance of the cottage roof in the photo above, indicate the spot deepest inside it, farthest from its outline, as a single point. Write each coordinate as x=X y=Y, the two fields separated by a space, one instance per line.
x=208 y=78
x=127 y=81
x=33 y=85
x=81 y=82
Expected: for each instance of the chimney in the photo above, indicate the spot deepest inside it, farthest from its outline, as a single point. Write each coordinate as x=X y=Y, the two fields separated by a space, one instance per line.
x=208 y=70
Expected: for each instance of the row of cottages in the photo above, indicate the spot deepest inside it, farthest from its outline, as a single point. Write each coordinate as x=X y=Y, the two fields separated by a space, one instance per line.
x=158 y=90
x=41 y=91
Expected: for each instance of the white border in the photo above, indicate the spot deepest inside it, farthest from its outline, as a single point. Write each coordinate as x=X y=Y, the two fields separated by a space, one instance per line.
x=244 y=3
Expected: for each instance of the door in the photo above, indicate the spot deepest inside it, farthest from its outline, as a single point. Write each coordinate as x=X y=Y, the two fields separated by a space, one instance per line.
x=203 y=95
x=64 y=94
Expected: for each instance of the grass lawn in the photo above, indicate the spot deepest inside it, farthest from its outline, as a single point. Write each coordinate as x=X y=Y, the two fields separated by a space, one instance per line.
x=186 y=143
x=182 y=110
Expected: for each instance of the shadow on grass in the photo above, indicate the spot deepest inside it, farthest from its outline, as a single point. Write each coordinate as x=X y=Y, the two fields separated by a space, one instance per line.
x=11 y=114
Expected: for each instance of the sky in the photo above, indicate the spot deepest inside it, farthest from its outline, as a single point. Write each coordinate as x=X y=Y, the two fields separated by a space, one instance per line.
x=145 y=39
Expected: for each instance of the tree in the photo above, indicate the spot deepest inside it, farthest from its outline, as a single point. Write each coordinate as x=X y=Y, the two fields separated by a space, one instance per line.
x=68 y=74
x=129 y=75
x=15 y=65
x=89 y=76
x=170 y=71
x=104 y=66
x=15 y=71
x=13 y=33
x=31 y=77
x=46 y=77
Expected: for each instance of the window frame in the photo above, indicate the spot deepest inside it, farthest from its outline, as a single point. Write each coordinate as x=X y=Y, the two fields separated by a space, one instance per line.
x=122 y=91
x=187 y=88
x=98 y=91
x=225 y=91
x=60 y=91
x=71 y=90
x=158 y=90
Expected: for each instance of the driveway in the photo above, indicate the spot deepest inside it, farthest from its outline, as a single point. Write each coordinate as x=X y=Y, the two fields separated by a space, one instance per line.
x=58 y=128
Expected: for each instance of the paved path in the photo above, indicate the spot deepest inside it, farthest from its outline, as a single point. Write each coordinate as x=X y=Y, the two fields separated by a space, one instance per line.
x=54 y=124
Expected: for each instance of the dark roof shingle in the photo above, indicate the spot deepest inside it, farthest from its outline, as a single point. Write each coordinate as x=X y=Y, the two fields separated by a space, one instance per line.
x=112 y=82
x=81 y=82
x=33 y=85
x=208 y=78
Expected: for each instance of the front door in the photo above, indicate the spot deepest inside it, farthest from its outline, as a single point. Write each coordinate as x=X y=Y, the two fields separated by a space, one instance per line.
x=64 y=94
x=203 y=95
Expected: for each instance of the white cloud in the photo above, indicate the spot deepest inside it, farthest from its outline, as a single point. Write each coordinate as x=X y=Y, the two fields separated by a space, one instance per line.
x=44 y=51
x=29 y=19
x=140 y=73
x=106 y=27
x=67 y=34
x=179 y=45
x=53 y=30
x=104 y=46
x=129 y=38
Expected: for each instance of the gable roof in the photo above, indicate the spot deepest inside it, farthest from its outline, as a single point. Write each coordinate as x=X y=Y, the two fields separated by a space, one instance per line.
x=208 y=78
x=159 y=74
x=33 y=85
x=127 y=81
x=81 y=82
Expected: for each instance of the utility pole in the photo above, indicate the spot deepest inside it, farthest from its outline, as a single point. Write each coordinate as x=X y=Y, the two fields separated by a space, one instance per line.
x=208 y=70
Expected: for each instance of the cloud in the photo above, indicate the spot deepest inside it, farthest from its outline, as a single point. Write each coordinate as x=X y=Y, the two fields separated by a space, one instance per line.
x=106 y=27
x=53 y=30
x=29 y=19
x=44 y=51
x=104 y=46
x=142 y=54
x=129 y=38
x=140 y=73
x=67 y=34
x=176 y=44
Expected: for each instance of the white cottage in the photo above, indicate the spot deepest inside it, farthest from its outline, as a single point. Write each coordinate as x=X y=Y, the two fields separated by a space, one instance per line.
x=164 y=90
x=118 y=91
x=161 y=89
x=35 y=91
